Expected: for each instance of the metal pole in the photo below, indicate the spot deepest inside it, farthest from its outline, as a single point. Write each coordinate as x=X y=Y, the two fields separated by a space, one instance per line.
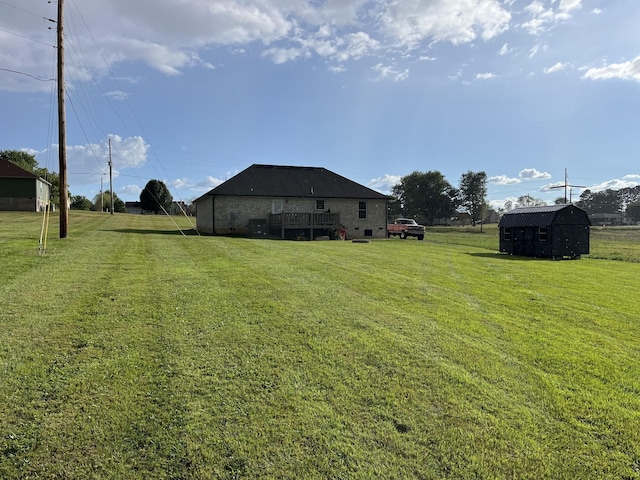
x=110 y=176
x=62 y=134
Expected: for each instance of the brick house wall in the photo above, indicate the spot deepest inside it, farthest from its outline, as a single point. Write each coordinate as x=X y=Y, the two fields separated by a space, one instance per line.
x=232 y=215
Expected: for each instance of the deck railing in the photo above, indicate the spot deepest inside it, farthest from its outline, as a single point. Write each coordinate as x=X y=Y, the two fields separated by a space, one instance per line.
x=303 y=220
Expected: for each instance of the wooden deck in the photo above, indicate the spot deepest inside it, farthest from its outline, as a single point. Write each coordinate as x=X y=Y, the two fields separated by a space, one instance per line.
x=304 y=220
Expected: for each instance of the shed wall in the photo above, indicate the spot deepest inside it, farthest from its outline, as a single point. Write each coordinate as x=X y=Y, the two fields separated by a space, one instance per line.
x=23 y=194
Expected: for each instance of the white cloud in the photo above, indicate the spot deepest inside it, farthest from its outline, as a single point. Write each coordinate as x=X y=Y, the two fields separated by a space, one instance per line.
x=552 y=186
x=504 y=50
x=455 y=21
x=388 y=72
x=617 y=183
x=87 y=163
x=283 y=55
x=543 y=18
x=541 y=47
x=533 y=174
x=117 y=95
x=596 y=11
x=623 y=71
x=171 y=38
x=131 y=190
x=384 y=183
x=568 y=5
x=357 y=45
x=556 y=68
x=485 y=76
x=503 y=180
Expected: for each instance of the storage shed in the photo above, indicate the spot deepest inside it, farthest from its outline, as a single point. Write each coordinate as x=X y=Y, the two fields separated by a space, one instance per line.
x=555 y=231
x=21 y=190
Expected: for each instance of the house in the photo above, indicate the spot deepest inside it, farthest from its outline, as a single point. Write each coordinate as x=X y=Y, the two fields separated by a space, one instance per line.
x=177 y=208
x=550 y=231
x=604 y=219
x=292 y=203
x=21 y=190
x=133 y=207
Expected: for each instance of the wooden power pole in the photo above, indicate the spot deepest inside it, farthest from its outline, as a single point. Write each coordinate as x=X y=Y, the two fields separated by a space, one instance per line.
x=566 y=185
x=62 y=134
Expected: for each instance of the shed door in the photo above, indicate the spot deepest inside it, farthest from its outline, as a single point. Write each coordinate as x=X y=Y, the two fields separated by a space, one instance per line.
x=523 y=242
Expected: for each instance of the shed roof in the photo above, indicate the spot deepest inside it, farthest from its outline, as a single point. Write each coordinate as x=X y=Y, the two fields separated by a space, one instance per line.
x=11 y=170
x=543 y=216
x=288 y=181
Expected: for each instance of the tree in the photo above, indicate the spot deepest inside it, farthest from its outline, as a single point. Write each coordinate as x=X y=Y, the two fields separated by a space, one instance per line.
x=633 y=212
x=629 y=195
x=155 y=196
x=80 y=202
x=23 y=160
x=104 y=203
x=473 y=194
x=606 y=201
x=529 y=201
x=394 y=210
x=426 y=196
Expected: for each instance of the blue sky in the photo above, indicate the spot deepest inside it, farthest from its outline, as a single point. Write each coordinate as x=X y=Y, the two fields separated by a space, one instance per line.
x=193 y=91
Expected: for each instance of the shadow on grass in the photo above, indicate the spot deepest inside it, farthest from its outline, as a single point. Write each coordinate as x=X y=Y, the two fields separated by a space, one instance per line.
x=502 y=256
x=139 y=231
x=507 y=256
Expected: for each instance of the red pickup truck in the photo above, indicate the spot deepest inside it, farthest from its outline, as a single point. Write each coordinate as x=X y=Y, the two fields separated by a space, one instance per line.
x=405 y=227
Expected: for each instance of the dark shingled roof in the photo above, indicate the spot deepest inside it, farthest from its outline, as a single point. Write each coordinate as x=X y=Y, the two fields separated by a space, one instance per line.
x=286 y=181
x=11 y=170
x=535 y=216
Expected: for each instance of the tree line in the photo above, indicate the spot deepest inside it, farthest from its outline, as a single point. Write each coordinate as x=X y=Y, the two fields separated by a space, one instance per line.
x=624 y=201
x=154 y=197
x=428 y=197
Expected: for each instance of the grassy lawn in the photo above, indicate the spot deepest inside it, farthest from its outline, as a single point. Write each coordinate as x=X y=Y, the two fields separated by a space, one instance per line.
x=131 y=351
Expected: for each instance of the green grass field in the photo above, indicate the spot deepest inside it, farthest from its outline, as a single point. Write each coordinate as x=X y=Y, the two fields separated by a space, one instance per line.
x=131 y=351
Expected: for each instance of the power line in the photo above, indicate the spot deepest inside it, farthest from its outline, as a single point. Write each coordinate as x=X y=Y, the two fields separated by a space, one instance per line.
x=26 y=38
x=26 y=11
x=27 y=75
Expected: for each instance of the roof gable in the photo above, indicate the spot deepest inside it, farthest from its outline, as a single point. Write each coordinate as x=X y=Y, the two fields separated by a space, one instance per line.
x=543 y=216
x=11 y=170
x=287 y=181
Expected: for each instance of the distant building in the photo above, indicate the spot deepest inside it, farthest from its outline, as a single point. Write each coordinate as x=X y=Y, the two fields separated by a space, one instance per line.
x=21 y=190
x=176 y=208
x=550 y=231
x=603 y=219
x=292 y=203
x=133 y=207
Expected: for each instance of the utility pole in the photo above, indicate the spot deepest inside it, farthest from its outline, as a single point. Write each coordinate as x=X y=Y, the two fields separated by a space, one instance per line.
x=62 y=134
x=566 y=185
x=110 y=176
x=101 y=197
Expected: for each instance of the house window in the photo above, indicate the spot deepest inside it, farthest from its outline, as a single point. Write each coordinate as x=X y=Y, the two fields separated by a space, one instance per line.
x=368 y=233
x=319 y=204
x=543 y=233
x=277 y=206
x=506 y=235
x=362 y=209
